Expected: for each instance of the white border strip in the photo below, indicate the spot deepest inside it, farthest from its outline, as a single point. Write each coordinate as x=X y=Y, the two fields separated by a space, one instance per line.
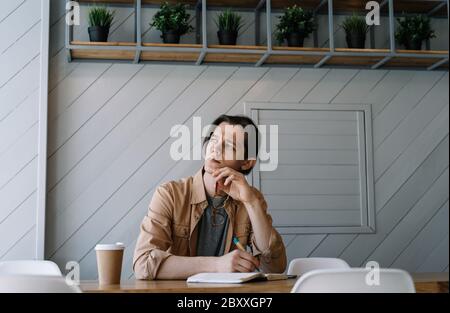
x=42 y=136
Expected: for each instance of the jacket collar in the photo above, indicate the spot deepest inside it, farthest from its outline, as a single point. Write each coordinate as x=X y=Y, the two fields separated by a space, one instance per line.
x=198 y=193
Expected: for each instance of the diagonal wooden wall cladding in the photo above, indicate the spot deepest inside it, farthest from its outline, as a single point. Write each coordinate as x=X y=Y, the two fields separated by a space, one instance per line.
x=20 y=27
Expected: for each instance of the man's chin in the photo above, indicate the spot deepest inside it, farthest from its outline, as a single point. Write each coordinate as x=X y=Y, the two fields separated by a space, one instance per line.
x=211 y=166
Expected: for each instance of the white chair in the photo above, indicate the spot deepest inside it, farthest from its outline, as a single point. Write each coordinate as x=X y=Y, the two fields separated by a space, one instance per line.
x=354 y=281
x=29 y=267
x=35 y=284
x=302 y=265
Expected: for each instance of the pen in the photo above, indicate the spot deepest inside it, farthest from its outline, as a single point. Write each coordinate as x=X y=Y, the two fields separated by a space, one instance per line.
x=241 y=247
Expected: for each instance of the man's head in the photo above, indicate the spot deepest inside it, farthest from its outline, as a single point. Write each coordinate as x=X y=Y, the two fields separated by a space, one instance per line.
x=232 y=142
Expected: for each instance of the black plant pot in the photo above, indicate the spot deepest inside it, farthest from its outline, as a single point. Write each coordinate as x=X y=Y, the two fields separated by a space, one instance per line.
x=356 y=40
x=227 y=37
x=171 y=36
x=98 y=33
x=296 y=39
x=413 y=44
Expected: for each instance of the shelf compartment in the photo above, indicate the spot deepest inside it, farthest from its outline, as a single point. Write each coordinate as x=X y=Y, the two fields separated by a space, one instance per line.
x=241 y=54
x=421 y=6
x=419 y=58
x=357 y=57
x=284 y=55
x=400 y=6
x=103 y=50
x=191 y=55
x=341 y=56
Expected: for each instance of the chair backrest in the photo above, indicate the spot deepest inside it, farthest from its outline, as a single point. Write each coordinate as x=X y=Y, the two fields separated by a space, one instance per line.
x=354 y=280
x=29 y=267
x=35 y=284
x=302 y=265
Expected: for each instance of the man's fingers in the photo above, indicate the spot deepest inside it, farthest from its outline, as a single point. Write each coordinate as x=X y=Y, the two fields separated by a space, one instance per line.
x=220 y=182
x=225 y=180
x=238 y=268
x=249 y=266
x=247 y=256
x=222 y=175
x=242 y=269
x=217 y=171
x=224 y=170
x=229 y=180
x=226 y=174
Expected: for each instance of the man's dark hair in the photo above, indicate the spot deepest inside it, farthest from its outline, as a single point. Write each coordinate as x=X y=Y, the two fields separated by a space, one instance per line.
x=243 y=121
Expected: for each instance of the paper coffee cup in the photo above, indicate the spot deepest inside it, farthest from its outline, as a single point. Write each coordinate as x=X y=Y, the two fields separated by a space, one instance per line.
x=109 y=263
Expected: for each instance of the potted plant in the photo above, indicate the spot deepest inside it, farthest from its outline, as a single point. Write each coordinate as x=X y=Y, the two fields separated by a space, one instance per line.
x=173 y=22
x=100 y=21
x=294 y=25
x=413 y=30
x=229 y=24
x=355 y=28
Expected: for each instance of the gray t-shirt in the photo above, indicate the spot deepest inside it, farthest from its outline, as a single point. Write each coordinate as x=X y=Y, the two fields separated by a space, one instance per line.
x=212 y=231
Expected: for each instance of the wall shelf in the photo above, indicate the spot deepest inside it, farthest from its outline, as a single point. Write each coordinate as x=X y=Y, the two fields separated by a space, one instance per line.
x=252 y=54
x=257 y=54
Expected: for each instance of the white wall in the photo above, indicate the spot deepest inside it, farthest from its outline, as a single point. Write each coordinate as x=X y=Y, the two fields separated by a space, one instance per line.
x=21 y=29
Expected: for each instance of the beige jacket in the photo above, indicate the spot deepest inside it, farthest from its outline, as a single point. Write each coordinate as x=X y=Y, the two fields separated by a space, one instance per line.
x=170 y=228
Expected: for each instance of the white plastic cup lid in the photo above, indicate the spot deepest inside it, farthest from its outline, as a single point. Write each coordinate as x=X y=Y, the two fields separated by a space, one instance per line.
x=113 y=246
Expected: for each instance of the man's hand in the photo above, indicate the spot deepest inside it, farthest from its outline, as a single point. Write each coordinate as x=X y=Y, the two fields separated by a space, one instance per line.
x=234 y=184
x=237 y=261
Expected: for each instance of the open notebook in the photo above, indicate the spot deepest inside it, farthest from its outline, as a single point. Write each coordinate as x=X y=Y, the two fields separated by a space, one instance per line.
x=235 y=278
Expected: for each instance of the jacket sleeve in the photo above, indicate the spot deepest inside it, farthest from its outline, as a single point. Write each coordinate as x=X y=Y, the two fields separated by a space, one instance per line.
x=155 y=236
x=273 y=259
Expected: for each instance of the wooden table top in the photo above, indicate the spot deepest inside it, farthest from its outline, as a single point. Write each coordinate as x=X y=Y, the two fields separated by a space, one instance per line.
x=181 y=286
x=424 y=282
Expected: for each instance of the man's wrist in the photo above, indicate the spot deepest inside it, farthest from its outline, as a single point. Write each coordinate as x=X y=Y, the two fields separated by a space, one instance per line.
x=253 y=203
x=214 y=264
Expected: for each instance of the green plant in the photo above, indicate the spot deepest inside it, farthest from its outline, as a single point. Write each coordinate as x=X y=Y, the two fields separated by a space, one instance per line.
x=172 y=17
x=294 y=19
x=355 y=24
x=229 y=21
x=414 y=28
x=101 y=16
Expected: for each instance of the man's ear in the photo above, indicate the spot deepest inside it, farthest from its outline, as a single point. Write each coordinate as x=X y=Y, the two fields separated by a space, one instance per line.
x=248 y=164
